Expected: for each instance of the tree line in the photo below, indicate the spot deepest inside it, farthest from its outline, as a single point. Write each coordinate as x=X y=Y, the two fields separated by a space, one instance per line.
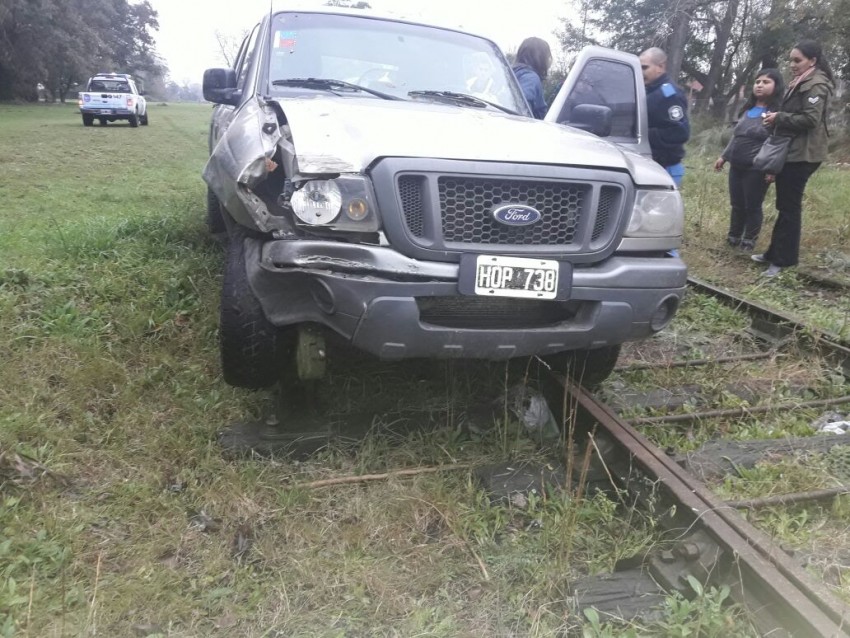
x=719 y=43
x=59 y=44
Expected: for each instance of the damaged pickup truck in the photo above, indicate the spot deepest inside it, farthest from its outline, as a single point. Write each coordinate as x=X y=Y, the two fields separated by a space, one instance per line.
x=374 y=189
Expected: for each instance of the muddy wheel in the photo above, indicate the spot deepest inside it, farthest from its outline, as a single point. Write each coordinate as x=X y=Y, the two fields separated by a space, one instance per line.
x=134 y=120
x=215 y=218
x=588 y=367
x=250 y=345
x=88 y=120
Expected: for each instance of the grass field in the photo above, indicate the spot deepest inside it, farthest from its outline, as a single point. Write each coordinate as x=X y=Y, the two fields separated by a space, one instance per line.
x=119 y=514
x=825 y=244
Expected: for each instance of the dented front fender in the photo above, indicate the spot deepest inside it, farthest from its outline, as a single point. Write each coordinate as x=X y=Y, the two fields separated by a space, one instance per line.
x=240 y=160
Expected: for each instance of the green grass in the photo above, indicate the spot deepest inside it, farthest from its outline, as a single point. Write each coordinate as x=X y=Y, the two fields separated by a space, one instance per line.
x=119 y=514
x=825 y=244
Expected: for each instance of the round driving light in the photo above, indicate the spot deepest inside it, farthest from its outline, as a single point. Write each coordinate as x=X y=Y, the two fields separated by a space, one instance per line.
x=357 y=209
x=317 y=202
x=664 y=313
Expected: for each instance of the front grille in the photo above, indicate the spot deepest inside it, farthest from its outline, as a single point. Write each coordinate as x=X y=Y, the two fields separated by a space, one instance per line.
x=485 y=313
x=467 y=202
x=410 y=189
x=454 y=212
x=438 y=209
x=609 y=200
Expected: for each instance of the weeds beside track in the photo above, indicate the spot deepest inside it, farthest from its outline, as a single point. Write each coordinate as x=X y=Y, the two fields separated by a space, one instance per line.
x=110 y=382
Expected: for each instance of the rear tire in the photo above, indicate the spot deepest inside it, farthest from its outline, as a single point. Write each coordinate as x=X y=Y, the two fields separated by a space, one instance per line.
x=587 y=367
x=250 y=345
x=88 y=120
x=134 y=120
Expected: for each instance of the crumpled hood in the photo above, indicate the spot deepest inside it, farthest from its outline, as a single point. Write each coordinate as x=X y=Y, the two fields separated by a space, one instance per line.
x=347 y=135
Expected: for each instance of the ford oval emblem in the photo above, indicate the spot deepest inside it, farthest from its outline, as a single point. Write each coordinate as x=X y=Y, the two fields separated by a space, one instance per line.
x=516 y=215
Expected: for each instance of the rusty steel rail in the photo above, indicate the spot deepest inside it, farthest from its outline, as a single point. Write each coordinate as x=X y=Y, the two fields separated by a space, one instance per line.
x=714 y=543
x=690 y=417
x=691 y=363
x=777 y=326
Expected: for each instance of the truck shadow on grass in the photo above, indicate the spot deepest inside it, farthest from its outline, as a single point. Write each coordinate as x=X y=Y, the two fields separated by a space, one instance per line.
x=362 y=397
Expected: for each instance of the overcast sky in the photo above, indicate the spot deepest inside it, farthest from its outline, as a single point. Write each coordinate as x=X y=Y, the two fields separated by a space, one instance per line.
x=186 y=37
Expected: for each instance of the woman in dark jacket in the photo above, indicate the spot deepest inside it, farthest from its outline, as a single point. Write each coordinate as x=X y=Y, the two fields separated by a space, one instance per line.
x=533 y=60
x=802 y=117
x=747 y=187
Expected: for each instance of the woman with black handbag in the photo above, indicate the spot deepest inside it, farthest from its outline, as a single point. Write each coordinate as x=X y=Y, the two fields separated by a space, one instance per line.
x=747 y=184
x=802 y=117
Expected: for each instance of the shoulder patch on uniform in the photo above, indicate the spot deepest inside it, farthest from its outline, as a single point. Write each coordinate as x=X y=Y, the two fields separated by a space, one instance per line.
x=676 y=113
x=814 y=99
x=668 y=89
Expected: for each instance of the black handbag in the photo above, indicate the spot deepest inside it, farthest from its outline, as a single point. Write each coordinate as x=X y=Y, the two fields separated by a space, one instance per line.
x=771 y=157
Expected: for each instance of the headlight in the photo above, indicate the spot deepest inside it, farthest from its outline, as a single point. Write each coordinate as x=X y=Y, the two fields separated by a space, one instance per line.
x=317 y=203
x=657 y=213
x=345 y=203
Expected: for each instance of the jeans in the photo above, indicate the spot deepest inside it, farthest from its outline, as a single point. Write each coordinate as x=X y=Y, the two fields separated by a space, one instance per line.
x=784 y=247
x=747 y=189
x=677 y=172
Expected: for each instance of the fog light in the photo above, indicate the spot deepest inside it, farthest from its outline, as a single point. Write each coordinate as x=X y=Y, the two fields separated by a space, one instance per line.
x=664 y=313
x=357 y=209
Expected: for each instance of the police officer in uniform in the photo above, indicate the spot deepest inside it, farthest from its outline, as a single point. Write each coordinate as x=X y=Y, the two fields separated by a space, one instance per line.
x=667 y=110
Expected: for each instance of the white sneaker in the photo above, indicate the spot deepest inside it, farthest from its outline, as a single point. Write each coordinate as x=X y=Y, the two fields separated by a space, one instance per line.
x=759 y=258
x=772 y=271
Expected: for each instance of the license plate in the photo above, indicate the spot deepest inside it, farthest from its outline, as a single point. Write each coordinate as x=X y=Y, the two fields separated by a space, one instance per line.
x=106 y=111
x=497 y=276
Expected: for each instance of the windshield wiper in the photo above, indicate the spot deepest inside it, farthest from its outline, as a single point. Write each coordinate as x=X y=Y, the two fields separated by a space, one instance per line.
x=462 y=99
x=324 y=84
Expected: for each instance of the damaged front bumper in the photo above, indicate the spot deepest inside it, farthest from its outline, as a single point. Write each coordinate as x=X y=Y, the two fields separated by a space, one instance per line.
x=397 y=307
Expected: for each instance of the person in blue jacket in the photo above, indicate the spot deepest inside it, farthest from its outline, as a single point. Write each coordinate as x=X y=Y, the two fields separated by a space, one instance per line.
x=533 y=60
x=748 y=186
x=667 y=111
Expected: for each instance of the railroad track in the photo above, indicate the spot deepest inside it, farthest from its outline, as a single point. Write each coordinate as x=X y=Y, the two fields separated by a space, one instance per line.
x=775 y=326
x=704 y=536
x=713 y=543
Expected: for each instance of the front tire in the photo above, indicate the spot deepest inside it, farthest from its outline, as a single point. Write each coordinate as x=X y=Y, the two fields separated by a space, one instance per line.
x=587 y=367
x=215 y=218
x=249 y=344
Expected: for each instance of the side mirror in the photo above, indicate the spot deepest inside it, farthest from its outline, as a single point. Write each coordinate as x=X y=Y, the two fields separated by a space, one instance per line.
x=592 y=118
x=220 y=86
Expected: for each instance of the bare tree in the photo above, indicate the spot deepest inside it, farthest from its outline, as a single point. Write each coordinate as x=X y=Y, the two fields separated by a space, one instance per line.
x=228 y=45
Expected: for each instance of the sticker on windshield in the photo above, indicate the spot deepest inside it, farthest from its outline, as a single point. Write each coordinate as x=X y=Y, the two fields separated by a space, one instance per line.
x=285 y=40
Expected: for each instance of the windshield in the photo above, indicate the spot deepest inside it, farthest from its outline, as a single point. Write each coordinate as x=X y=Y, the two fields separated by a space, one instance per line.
x=391 y=57
x=113 y=86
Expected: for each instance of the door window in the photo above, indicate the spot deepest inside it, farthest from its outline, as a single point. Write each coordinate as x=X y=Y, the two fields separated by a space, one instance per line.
x=606 y=83
x=245 y=55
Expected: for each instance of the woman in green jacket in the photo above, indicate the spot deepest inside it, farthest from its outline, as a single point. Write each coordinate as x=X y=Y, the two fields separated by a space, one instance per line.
x=802 y=117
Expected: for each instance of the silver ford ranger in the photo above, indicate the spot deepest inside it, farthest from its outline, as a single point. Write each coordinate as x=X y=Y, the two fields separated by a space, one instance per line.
x=382 y=182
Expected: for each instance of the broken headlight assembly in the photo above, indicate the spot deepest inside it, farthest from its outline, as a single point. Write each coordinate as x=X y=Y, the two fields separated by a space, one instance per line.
x=343 y=203
x=657 y=213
